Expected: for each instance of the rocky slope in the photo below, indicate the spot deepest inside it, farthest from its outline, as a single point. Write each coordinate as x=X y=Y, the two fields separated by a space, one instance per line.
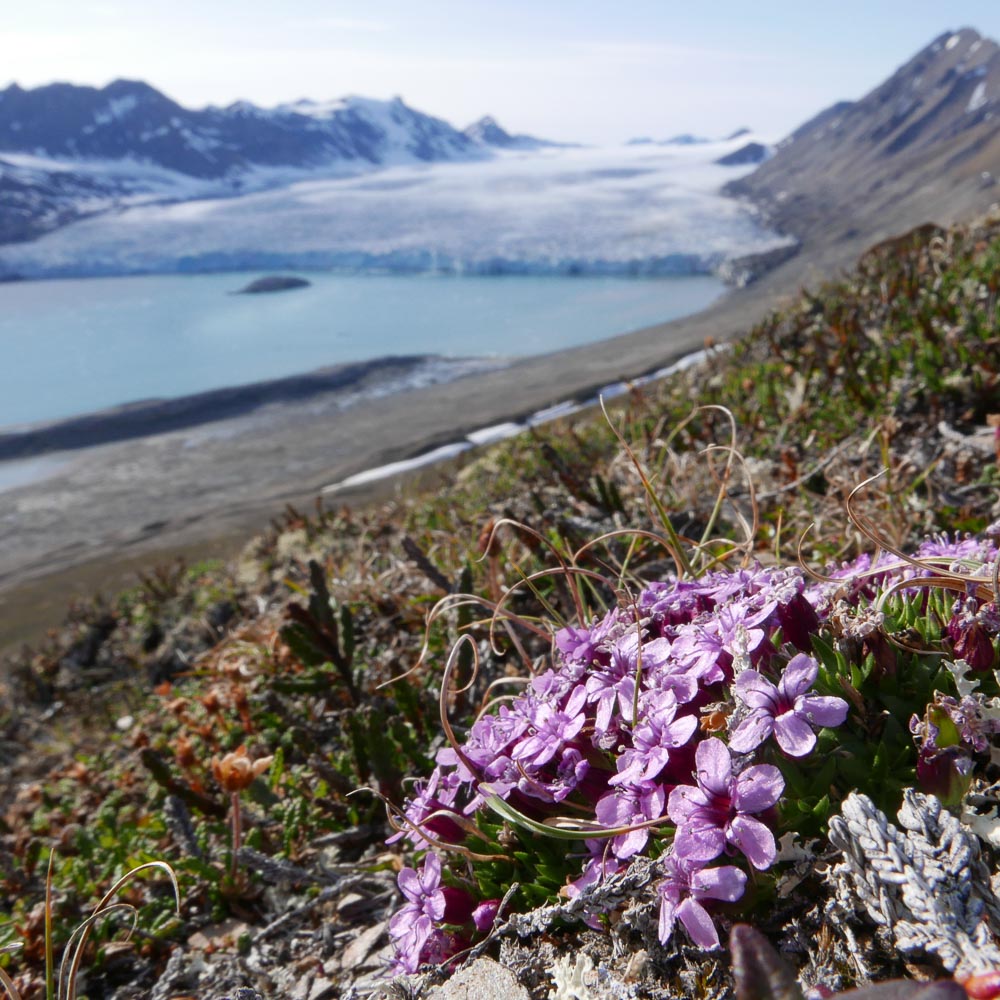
x=922 y=146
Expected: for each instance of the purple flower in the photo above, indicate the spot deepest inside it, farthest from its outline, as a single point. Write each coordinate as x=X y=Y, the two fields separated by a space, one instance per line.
x=428 y=809
x=629 y=805
x=718 y=811
x=945 y=773
x=597 y=869
x=653 y=738
x=799 y=621
x=412 y=927
x=616 y=683
x=550 y=730
x=485 y=915
x=571 y=770
x=685 y=884
x=707 y=646
x=785 y=710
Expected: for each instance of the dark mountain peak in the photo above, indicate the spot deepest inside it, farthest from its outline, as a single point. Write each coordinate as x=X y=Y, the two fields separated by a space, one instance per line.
x=752 y=152
x=131 y=120
x=134 y=88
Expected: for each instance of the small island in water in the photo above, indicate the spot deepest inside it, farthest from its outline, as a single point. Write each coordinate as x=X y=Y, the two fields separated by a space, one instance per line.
x=274 y=283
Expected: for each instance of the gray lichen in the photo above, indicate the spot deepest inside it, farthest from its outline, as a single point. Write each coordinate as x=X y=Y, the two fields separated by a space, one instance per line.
x=926 y=884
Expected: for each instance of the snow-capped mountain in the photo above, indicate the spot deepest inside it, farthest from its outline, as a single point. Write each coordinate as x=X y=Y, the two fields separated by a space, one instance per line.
x=487 y=132
x=129 y=120
x=67 y=152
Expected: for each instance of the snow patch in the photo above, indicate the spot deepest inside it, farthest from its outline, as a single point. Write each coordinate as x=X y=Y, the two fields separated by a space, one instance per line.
x=498 y=432
x=953 y=41
x=118 y=108
x=394 y=468
x=978 y=98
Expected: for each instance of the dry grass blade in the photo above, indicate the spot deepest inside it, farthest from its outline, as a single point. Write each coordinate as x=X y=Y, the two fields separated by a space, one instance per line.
x=8 y=984
x=563 y=827
x=105 y=906
x=938 y=575
x=69 y=968
x=677 y=553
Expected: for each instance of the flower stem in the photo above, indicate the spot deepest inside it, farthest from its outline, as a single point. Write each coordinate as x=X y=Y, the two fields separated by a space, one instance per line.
x=237 y=833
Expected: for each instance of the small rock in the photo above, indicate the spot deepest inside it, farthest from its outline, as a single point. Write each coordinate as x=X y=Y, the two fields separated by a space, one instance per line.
x=355 y=954
x=484 y=978
x=274 y=283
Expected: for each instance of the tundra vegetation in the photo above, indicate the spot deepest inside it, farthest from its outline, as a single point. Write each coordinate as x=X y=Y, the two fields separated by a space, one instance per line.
x=636 y=678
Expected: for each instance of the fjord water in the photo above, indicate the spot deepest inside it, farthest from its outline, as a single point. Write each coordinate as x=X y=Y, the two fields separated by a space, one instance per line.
x=75 y=346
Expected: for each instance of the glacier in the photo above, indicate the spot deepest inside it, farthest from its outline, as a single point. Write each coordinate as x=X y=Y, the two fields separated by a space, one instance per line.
x=629 y=210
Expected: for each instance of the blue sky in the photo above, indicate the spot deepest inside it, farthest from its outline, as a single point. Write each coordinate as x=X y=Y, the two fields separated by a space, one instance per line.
x=589 y=70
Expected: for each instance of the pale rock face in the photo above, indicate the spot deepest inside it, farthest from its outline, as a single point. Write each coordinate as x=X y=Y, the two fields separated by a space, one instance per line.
x=483 y=978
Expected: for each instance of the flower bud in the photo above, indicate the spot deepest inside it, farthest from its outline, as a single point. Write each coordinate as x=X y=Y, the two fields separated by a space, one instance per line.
x=971 y=641
x=237 y=771
x=945 y=773
x=799 y=622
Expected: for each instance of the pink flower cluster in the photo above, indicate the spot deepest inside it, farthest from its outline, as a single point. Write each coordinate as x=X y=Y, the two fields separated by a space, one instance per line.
x=649 y=721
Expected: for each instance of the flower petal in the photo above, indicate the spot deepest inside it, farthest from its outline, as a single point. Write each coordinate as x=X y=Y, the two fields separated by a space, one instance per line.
x=758 y=788
x=755 y=690
x=715 y=767
x=409 y=885
x=823 y=710
x=794 y=735
x=628 y=844
x=754 y=839
x=704 y=842
x=680 y=731
x=726 y=882
x=430 y=876
x=799 y=676
x=684 y=802
x=668 y=913
x=698 y=924
x=752 y=731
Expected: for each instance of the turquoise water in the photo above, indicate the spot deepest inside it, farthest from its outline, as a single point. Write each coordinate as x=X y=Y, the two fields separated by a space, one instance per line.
x=73 y=346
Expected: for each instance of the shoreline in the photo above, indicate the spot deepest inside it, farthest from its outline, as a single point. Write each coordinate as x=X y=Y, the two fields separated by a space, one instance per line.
x=150 y=417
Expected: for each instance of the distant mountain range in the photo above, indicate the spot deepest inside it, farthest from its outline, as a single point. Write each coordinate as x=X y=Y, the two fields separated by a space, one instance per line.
x=68 y=151
x=922 y=146
x=684 y=139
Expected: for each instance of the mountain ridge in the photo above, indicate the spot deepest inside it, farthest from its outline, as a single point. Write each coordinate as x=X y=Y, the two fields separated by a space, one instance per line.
x=68 y=151
x=924 y=144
